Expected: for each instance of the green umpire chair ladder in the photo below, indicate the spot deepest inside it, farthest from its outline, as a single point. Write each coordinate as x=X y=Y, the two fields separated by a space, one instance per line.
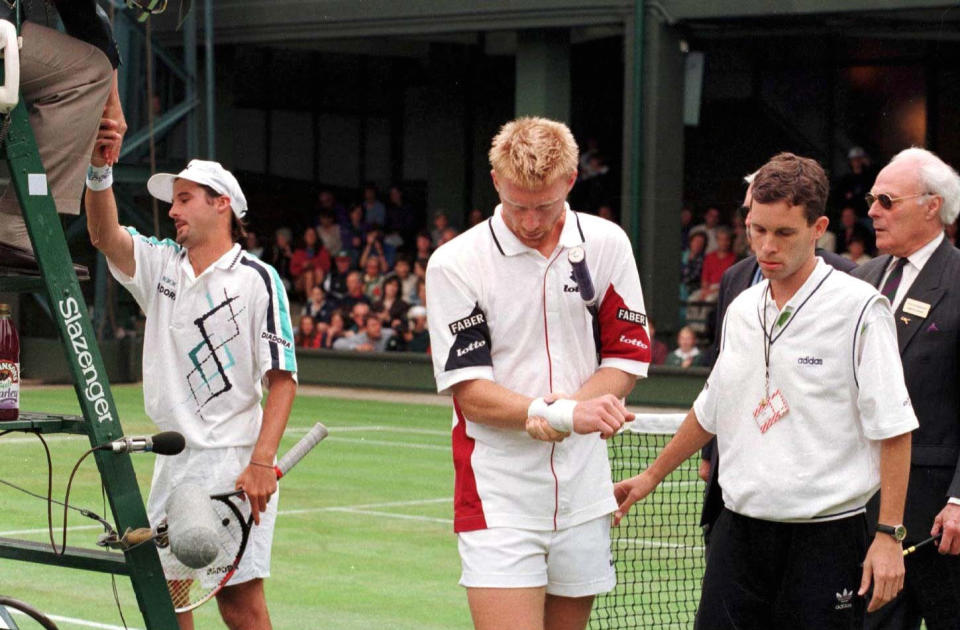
x=100 y=421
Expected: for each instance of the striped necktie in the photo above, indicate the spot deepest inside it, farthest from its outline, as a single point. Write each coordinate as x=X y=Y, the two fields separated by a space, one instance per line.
x=889 y=289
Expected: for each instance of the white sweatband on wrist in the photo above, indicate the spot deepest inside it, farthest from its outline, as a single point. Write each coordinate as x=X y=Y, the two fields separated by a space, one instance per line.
x=558 y=414
x=99 y=177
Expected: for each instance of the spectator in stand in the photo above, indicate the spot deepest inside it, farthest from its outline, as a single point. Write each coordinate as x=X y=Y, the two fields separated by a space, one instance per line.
x=448 y=235
x=741 y=240
x=391 y=304
x=686 y=224
x=857 y=251
x=715 y=263
x=335 y=284
x=373 y=338
x=422 y=292
x=851 y=228
x=353 y=234
x=593 y=184
x=401 y=220
x=424 y=247
x=329 y=232
x=659 y=349
x=309 y=264
x=691 y=264
x=327 y=204
x=408 y=281
x=687 y=353
x=252 y=244
x=416 y=335
x=851 y=189
x=475 y=217
x=354 y=293
x=335 y=329
x=358 y=315
x=280 y=255
x=319 y=307
x=374 y=212
x=372 y=278
x=373 y=250
x=711 y=222
x=440 y=223
x=308 y=335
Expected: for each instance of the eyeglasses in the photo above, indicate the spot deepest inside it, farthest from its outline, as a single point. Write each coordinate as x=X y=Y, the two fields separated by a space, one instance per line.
x=886 y=201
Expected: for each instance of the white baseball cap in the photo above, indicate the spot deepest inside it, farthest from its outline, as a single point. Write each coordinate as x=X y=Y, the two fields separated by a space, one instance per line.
x=204 y=172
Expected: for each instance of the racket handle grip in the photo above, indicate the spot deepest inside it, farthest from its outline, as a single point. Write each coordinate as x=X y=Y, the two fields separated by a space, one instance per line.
x=300 y=449
x=578 y=261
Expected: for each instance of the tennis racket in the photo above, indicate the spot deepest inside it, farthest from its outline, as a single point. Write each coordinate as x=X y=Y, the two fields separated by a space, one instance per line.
x=191 y=587
x=581 y=275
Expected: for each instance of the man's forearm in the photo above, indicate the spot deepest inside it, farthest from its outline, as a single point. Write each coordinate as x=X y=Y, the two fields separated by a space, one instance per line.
x=487 y=402
x=276 y=412
x=894 y=476
x=606 y=381
x=689 y=439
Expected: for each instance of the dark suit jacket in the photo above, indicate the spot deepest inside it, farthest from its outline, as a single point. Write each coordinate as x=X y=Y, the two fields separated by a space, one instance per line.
x=735 y=281
x=930 y=352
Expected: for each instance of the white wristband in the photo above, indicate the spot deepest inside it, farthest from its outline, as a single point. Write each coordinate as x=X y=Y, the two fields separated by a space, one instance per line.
x=99 y=177
x=558 y=414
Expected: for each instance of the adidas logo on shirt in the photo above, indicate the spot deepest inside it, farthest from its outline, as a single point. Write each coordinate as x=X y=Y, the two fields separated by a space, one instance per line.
x=809 y=361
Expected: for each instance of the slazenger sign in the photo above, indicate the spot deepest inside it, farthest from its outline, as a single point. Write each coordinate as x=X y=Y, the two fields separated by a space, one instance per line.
x=93 y=389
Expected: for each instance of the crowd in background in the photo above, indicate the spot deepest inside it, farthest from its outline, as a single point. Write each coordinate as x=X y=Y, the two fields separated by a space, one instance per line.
x=356 y=272
x=713 y=241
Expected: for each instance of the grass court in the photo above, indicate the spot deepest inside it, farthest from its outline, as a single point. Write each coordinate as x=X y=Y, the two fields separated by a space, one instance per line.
x=364 y=539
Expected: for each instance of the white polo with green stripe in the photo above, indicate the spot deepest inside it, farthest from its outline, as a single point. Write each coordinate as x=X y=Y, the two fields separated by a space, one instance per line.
x=209 y=340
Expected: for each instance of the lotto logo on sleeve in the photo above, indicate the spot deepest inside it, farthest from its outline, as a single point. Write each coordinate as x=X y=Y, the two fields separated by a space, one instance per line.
x=471 y=341
x=623 y=332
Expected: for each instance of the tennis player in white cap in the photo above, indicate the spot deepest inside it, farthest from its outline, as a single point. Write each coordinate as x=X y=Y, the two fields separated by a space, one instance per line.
x=218 y=325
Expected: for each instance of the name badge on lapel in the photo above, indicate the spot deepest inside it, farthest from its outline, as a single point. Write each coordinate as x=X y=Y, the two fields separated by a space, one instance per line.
x=916 y=307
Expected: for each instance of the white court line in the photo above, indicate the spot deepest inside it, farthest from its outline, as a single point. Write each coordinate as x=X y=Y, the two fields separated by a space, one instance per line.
x=429 y=447
x=49 y=438
x=392 y=429
x=78 y=622
x=56 y=530
x=408 y=517
x=341 y=508
x=334 y=508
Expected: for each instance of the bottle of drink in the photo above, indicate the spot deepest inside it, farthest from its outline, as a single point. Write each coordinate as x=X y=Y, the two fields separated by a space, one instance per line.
x=9 y=367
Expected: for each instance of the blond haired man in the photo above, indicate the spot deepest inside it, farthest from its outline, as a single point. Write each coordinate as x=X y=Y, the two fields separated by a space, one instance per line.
x=533 y=397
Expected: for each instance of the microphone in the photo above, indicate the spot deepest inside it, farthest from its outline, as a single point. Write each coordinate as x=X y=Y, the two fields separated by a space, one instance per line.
x=192 y=526
x=163 y=443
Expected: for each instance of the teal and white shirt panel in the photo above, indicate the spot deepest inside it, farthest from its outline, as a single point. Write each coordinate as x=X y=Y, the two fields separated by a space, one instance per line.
x=209 y=340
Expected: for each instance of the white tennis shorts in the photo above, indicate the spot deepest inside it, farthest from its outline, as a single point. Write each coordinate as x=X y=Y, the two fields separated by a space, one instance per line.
x=216 y=470
x=573 y=562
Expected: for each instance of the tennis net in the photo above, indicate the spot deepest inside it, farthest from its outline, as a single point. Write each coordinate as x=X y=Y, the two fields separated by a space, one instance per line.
x=658 y=547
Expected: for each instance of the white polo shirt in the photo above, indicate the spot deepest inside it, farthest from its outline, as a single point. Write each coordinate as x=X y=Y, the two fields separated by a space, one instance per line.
x=500 y=311
x=834 y=358
x=208 y=341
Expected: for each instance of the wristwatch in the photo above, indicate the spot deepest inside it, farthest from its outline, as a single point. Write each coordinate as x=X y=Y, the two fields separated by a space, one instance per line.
x=899 y=532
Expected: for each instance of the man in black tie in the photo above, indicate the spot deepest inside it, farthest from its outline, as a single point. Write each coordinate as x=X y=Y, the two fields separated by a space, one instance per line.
x=914 y=196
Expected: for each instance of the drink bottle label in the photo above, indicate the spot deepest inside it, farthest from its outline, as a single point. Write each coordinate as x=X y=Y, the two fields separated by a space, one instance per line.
x=9 y=385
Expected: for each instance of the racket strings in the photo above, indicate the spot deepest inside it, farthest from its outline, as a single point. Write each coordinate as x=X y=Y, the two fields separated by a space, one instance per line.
x=190 y=587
